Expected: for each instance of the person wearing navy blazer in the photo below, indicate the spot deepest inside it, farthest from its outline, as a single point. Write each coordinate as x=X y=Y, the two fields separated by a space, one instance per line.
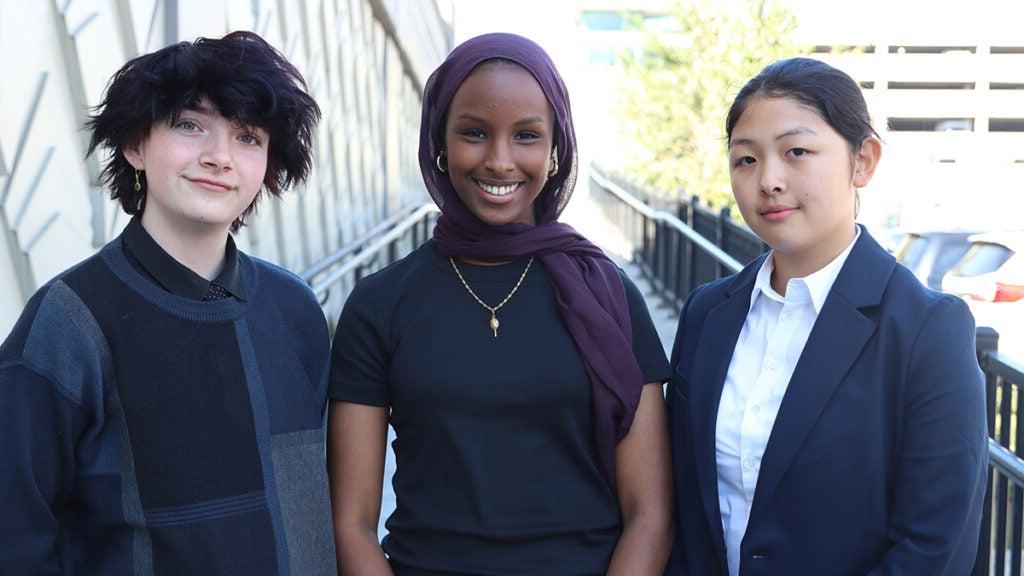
x=827 y=411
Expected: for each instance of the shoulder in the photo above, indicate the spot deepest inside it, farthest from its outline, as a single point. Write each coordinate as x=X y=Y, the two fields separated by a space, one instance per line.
x=400 y=273
x=390 y=283
x=710 y=294
x=56 y=314
x=633 y=293
x=283 y=285
x=277 y=277
x=906 y=298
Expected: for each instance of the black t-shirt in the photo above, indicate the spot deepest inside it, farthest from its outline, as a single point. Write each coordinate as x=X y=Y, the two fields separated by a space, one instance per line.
x=497 y=469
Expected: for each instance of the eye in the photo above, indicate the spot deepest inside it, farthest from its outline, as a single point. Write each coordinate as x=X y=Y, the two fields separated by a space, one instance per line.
x=250 y=138
x=527 y=136
x=187 y=125
x=473 y=133
x=797 y=151
x=743 y=161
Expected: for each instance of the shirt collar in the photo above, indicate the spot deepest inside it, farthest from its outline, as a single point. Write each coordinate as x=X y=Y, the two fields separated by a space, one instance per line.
x=813 y=287
x=174 y=276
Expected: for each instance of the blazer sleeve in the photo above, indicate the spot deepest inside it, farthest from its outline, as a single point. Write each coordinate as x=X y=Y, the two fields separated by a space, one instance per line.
x=674 y=403
x=935 y=516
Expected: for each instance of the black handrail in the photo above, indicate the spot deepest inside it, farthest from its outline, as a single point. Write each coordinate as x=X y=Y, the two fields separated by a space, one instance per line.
x=373 y=249
x=333 y=277
x=325 y=263
x=1002 y=537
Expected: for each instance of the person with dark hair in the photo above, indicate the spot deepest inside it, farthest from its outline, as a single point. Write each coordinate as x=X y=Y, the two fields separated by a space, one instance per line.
x=509 y=354
x=827 y=412
x=163 y=402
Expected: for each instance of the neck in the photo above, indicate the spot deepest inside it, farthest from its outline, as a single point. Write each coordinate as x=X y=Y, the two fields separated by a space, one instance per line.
x=803 y=263
x=476 y=262
x=200 y=250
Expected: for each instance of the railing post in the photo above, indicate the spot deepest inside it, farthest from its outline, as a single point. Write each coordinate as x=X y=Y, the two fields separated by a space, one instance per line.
x=691 y=253
x=723 y=216
x=986 y=341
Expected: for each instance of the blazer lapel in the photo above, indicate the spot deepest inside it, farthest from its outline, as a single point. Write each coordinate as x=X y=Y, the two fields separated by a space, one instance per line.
x=711 y=359
x=839 y=334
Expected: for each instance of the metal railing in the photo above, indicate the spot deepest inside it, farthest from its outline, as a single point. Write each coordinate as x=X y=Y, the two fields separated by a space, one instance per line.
x=333 y=277
x=1002 y=535
x=671 y=254
x=676 y=258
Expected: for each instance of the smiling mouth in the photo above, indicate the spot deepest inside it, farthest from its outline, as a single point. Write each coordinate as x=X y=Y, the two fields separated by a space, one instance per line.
x=209 y=184
x=776 y=213
x=496 y=190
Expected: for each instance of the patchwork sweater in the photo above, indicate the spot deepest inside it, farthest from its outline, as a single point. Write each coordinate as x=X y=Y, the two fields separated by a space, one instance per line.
x=145 y=433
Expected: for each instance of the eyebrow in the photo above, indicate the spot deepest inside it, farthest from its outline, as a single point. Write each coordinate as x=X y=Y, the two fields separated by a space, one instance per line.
x=786 y=134
x=523 y=121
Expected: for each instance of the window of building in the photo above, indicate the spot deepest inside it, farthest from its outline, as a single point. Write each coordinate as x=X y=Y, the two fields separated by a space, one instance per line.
x=1006 y=124
x=931 y=124
x=931 y=85
x=932 y=49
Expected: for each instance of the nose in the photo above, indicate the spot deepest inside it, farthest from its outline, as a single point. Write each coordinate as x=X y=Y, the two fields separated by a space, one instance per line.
x=499 y=158
x=216 y=153
x=773 y=177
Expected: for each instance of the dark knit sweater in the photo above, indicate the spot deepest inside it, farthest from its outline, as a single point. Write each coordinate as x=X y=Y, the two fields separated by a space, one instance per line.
x=144 y=433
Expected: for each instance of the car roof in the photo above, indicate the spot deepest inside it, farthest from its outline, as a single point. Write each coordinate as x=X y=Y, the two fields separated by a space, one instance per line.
x=1012 y=239
x=943 y=231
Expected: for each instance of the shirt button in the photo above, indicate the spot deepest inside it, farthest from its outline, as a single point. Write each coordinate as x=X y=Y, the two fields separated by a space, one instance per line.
x=756 y=408
x=787 y=317
x=772 y=364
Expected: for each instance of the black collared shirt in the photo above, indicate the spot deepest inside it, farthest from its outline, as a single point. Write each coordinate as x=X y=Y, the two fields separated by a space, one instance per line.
x=153 y=262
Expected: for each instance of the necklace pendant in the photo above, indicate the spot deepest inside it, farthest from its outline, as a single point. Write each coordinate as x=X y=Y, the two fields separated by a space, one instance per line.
x=494 y=325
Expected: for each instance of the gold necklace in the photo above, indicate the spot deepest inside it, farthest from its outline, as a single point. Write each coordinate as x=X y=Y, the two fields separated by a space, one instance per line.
x=494 y=324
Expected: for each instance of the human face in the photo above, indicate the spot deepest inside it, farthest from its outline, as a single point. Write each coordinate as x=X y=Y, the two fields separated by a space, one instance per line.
x=795 y=180
x=201 y=172
x=498 y=142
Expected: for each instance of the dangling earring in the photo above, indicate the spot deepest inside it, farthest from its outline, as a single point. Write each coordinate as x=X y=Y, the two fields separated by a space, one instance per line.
x=138 y=183
x=440 y=157
x=554 y=162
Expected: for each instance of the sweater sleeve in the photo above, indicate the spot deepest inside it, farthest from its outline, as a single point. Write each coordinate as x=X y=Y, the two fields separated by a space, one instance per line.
x=38 y=431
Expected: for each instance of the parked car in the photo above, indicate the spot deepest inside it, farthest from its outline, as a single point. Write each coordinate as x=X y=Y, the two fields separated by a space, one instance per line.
x=930 y=254
x=890 y=238
x=992 y=270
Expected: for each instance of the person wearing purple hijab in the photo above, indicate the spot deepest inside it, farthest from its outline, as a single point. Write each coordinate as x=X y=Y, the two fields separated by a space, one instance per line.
x=509 y=354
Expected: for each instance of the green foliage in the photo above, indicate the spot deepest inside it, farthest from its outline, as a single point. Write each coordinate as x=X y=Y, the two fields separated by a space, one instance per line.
x=679 y=90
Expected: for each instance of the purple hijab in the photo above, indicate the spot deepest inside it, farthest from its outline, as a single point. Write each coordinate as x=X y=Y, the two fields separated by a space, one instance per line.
x=589 y=291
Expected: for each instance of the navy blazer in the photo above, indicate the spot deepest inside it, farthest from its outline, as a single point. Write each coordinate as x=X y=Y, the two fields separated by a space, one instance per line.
x=877 y=462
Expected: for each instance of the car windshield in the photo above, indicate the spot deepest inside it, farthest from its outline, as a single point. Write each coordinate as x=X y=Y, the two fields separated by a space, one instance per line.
x=982 y=258
x=911 y=249
x=949 y=254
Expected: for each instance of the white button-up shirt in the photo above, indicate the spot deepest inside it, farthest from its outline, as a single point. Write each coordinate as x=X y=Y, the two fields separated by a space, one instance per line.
x=766 y=353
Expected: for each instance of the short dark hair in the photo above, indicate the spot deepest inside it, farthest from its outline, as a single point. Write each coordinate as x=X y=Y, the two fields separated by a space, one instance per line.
x=240 y=75
x=829 y=92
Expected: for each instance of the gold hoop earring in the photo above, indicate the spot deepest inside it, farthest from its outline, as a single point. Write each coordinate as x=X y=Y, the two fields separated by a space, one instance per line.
x=554 y=162
x=138 y=183
x=440 y=156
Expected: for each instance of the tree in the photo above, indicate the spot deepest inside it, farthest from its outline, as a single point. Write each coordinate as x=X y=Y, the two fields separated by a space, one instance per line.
x=679 y=90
